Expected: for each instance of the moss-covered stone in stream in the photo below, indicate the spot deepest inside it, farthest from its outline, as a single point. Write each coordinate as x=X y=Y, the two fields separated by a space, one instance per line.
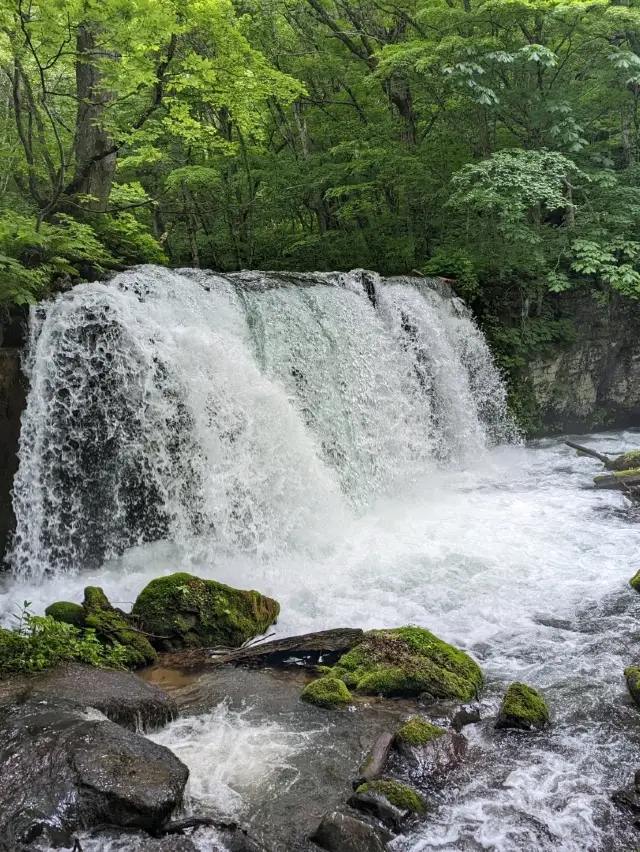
x=409 y=661
x=328 y=692
x=111 y=625
x=184 y=611
x=399 y=795
x=626 y=462
x=634 y=582
x=632 y=674
x=418 y=732
x=67 y=613
x=523 y=708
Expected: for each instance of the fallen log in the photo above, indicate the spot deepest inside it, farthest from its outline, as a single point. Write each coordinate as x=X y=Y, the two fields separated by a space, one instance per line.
x=606 y=460
x=311 y=649
x=624 y=481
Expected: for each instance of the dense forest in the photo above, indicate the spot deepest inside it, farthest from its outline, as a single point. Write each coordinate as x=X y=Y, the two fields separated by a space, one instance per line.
x=494 y=142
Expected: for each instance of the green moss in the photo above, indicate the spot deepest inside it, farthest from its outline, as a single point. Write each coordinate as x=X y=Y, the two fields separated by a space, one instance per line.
x=67 y=613
x=523 y=707
x=409 y=661
x=327 y=692
x=627 y=462
x=399 y=795
x=632 y=674
x=631 y=472
x=111 y=625
x=634 y=582
x=418 y=732
x=190 y=612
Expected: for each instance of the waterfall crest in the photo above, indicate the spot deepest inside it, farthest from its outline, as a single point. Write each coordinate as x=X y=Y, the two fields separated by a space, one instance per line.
x=250 y=409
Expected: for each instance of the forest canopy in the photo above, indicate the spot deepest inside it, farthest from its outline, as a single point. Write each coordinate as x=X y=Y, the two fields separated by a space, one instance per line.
x=494 y=142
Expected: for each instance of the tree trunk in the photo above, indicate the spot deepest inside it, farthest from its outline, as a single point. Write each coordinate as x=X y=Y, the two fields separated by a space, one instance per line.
x=95 y=165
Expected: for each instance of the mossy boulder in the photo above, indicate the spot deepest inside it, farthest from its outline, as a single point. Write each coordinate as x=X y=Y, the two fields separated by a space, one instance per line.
x=399 y=795
x=112 y=625
x=632 y=674
x=419 y=732
x=522 y=708
x=67 y=613
x=409 y=661
x=627 y=461
x=329 y=692
x=184 y=611
x=634 y=582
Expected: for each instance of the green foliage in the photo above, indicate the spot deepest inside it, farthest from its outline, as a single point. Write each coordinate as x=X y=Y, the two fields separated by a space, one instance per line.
x=39 y=643
x=496 y=144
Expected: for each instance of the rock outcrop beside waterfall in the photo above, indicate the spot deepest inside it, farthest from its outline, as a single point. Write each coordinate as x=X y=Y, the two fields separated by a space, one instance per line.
x=593 y=381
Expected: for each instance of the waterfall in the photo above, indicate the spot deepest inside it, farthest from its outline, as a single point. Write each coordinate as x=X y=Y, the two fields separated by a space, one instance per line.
x=250 y=409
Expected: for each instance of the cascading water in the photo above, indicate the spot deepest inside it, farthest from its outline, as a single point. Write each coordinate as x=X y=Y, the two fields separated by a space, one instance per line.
x=243 y=409
x=341 y=443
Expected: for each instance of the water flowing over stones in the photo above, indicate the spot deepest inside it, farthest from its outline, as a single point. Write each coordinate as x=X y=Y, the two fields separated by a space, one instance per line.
x=152 y=396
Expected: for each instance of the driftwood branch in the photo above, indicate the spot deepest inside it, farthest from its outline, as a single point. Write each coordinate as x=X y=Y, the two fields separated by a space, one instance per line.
x=606 y=460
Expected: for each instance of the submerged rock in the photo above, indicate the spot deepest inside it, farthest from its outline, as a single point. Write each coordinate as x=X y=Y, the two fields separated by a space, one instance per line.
x=408 y=661
x=183 y=611
x=66 y=768
x=123 y=697
x=465 y=715
x=329 y=692
x=376 y=760
x=339 y=832
x=522 y=708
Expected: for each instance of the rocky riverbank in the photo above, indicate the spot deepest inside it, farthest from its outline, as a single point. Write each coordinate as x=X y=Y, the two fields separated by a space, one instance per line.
x=384 y=711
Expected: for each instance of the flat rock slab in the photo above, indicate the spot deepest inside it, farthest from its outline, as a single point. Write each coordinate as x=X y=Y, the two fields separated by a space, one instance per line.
x=66 y=768
x=123 y=697
x=311 y=649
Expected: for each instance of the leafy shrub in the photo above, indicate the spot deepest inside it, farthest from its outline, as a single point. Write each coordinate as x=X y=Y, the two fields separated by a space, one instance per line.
x=39 y=643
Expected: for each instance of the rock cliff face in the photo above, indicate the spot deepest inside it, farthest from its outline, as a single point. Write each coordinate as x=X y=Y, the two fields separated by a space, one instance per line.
x=594 y=381
x=12 y=399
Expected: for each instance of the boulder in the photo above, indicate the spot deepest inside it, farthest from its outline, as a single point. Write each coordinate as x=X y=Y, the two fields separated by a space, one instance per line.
x=112 y=625
x=123 y=697
x=391 y=802
x=67 y=613
x=522 y=708
x=66 y=768
x=634 y=582
x=627 y=461
x=328 y=692
x=632 y=674
x=339 y=832
x=432 y=750
x=183 y=611
x=409 y=661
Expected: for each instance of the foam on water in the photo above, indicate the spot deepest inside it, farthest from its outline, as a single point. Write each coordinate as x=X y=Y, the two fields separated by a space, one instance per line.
x=293 y=440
